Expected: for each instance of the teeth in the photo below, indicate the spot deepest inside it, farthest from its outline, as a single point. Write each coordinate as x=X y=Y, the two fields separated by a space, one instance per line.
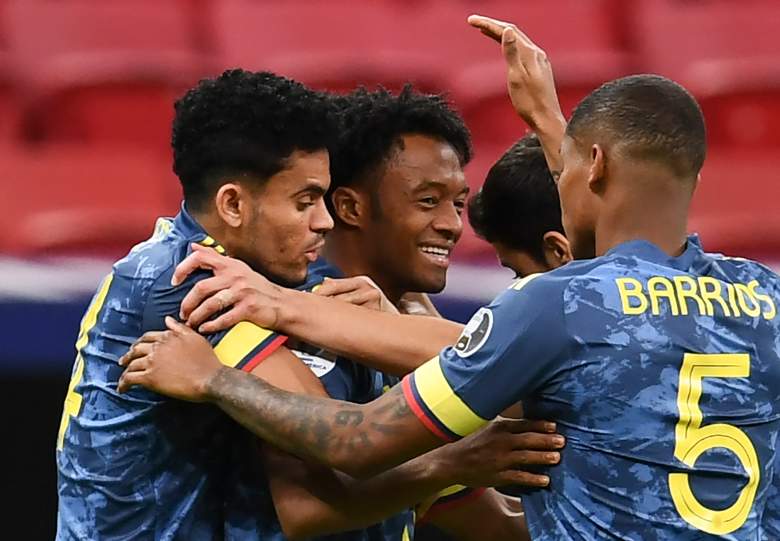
x=433 y=250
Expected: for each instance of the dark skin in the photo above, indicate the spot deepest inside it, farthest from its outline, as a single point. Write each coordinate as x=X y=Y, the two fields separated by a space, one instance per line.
x=419 y=195
x=384 y=432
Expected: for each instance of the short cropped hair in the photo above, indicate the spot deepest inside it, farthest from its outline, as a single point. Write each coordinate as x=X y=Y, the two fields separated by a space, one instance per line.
x=244 y=123
x=518 y=203
x=650 y=117
x=372 y=123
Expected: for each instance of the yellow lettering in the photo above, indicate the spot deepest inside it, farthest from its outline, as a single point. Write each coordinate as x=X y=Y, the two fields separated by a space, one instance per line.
x=745 y=293
x=691 y=292
x=711 y=290
x=771 y=310
x=631 y=288
x=659 y=287
x=733 y=299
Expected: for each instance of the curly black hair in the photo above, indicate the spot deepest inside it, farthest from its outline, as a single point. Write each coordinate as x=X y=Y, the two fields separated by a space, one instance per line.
x=244 y=122
x=372 y=123
x=518 y=202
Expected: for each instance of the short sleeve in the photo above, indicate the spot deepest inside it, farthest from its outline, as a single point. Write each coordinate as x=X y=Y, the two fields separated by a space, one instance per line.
x=444 y=500
x=505 y=353
x=243 y=346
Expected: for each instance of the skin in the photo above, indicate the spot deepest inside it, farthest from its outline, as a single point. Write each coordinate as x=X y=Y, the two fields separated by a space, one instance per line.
x=556 y=252
x=422 y=190
x=279 y=226
x=372 y=437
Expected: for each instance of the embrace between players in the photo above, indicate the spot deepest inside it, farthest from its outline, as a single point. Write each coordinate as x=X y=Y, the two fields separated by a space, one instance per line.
x=665 y=392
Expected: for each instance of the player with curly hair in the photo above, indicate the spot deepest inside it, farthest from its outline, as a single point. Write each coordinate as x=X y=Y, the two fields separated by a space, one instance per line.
x=252 y=153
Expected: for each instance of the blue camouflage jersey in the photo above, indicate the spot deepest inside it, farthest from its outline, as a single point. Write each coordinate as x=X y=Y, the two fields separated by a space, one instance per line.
x=662 y=372
x=139 y=465
x=347 y=380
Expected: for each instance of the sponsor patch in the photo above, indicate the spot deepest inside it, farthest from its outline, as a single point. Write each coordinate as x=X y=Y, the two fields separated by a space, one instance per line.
x=319 y=365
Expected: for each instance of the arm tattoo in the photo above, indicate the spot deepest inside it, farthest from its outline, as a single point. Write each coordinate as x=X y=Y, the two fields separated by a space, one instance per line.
x=329 y=431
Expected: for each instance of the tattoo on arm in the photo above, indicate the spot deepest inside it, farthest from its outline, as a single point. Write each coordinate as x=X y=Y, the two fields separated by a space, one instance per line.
x=336 y=433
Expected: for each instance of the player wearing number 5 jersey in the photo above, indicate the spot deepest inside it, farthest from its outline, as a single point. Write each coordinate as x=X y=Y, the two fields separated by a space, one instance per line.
x=660 y=362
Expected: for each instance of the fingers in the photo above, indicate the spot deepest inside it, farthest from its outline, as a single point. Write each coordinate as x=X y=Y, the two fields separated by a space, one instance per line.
x=129 y=379
x=519 y=459
x=524 y=478
x=200 y=258
x=331 y=287
x=225 y=321
x=360 y=297
x=176 y=327
x=492 y=28
x=215 y=304
x=136 y=351
x=537 y=441
x=201 y=291
x=525 y=425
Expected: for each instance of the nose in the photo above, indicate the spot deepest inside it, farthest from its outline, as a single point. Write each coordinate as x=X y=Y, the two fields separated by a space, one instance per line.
x=321 y=221
x=448 y=222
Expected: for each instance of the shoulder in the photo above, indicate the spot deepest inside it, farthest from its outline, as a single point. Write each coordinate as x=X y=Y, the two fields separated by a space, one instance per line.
x=156 y=256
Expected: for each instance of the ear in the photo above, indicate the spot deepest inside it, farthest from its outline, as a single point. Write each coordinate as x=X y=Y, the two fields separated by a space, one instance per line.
x=232 y=204
x=557 y=251
x=598 y=167
x=349 y=206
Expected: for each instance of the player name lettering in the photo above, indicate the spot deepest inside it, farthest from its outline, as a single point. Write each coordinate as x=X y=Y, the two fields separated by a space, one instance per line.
x=687 y=295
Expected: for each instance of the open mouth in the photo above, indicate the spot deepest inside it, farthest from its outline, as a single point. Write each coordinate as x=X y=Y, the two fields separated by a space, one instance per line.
x=437 y=254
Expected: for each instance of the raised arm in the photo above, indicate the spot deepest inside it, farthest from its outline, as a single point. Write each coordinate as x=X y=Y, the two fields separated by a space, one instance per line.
x=530 y=84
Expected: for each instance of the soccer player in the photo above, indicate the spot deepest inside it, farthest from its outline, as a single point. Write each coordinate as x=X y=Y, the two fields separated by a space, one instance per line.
x=658 y=359
x=251 y=151
x=397 y=193
x=517 y=210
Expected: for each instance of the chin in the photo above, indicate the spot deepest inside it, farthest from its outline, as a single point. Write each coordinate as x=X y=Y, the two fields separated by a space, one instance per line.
x=289 y=278
x=430 y=285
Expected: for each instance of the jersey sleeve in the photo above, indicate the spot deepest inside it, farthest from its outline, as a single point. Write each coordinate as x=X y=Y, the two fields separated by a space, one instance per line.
x=449 y=498
x=243 y=346
x=506 y=351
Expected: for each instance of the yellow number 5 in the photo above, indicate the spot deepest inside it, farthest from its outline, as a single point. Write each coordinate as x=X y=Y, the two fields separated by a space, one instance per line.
x=691 y=440
x=73 y=399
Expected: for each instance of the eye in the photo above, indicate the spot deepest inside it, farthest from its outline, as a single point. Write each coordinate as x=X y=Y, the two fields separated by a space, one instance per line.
x=429 y=201
x=305 y=202
x=460 y=204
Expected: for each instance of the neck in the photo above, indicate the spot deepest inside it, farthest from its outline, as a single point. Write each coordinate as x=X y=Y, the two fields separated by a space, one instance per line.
x=215 y=228
x=651 y=208
x=345 y=249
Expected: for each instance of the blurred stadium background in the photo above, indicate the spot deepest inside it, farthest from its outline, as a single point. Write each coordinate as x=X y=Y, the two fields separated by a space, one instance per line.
x=86 y=92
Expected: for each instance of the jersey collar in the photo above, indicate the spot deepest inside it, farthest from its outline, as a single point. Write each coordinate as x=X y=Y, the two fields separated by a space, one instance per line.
x=189 y=227
x=650 y=252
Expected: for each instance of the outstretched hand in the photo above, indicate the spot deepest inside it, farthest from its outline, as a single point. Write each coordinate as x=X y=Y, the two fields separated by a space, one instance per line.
x=529 y=74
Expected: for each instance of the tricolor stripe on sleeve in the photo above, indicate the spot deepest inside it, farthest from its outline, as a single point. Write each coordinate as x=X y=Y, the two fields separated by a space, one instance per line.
x=246 y=345
x=437 y=405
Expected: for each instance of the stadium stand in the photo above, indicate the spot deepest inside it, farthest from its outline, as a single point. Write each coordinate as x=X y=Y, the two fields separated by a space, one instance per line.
x=98 y=72
x=86 y=92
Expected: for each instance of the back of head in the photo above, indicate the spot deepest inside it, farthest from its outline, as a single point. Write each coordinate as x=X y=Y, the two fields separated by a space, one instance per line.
x=645 y=118
x=373 y=122
x=244 y=123
x=518 y=203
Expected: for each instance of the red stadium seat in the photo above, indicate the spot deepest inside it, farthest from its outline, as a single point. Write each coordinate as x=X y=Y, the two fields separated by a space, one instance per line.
x=333 y=45
x=70 y=199
x=726 y=54
x=735 y=208
x=578 y=37
x=103 y=71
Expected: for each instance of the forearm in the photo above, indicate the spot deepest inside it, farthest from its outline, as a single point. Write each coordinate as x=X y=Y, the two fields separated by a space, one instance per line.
x=550 y=128
x=358 y=439
x=394 y=344
x=492 y=516
x=313 y=500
